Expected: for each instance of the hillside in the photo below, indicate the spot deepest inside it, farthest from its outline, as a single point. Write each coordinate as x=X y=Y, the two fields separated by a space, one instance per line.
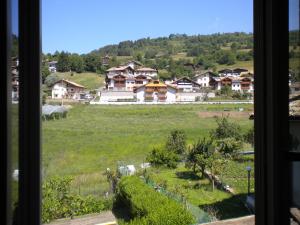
x=173 y=56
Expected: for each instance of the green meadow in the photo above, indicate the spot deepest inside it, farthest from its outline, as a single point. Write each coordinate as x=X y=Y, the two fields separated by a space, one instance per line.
x=95 y=137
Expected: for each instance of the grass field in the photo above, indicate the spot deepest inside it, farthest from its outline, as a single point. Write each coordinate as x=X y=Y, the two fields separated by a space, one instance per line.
x=93 y=138
x=91 y=81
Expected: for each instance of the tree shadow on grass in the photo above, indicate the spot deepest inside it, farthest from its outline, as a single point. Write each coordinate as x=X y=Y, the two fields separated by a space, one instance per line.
x=122 y=212
x=228 y=208
x=188 y=175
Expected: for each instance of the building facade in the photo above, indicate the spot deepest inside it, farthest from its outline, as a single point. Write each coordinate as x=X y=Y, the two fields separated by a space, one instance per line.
x=67 y=89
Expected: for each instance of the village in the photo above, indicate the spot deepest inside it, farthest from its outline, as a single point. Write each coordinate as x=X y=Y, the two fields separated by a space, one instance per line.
x=133 y=83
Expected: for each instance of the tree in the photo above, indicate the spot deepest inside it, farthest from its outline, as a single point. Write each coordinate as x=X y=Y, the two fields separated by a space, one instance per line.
x=92 y=62
x=63 y=63
x=176 y=142
x=249 y=136
x=162 y=157
x=199 y=155
x=226 y=129
x=226 y=57
x=226 y=91
x=229 y=147
x=45 y=73
x=51 y=79
x=216 y=164
x=76 y=63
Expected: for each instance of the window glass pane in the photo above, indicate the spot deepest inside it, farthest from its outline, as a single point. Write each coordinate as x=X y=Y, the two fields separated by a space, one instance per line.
x=166 y=104
x=15 y=105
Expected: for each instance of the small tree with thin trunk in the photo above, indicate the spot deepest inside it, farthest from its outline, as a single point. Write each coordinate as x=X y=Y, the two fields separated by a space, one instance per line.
x=216 y=164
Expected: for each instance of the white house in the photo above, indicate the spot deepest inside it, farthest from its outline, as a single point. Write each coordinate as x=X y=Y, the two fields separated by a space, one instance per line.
x=156 y=91
x=145 y=71
x=67 y=89
x=244 y=84
x=203 y=78
x=52 y=66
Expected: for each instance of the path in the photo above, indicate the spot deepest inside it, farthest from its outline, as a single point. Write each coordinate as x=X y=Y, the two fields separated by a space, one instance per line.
x=94 y=219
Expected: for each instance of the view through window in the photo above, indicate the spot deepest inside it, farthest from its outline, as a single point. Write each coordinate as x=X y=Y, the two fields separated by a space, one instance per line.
x=147 y=114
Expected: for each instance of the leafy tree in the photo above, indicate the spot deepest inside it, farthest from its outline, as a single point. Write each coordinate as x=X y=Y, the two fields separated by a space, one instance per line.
x=51 y=79
x=162 y=157
x=76 y=63
x=92 y=62
x=45 y=73
x=216 y=164
x=249 y=136
x=229 y=147
x=226 y=91
x=176 y=142
x=226 y=129
x=199 y=155
x=150 y=54
x=226 y=57
x=63 y=64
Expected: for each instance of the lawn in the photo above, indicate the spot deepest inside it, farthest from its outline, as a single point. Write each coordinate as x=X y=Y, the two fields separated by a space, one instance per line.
x=93 y=138
x=91 y=81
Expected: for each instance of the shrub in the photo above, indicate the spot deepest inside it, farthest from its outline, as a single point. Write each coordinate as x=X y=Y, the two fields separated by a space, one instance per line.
x=249 y=136
x=59 y=202
x=148 y=207
x=226 y=129
x=161 y=157
x=229 y=147
x=176 y=142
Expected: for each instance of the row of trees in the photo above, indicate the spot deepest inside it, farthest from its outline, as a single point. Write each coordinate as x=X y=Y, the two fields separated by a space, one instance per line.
x=207 y=153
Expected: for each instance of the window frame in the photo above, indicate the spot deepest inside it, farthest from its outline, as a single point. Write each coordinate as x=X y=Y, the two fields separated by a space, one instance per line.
x=271 y=130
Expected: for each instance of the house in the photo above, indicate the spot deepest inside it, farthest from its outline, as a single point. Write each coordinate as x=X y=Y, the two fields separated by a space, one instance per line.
x=67 y=89
x=128 y=77
x=204 y=78
x=185 y=84
x=145 y=71
x=52 y=66
x=15 y=84
x=245 y=84
x=105 y=60
x=156 y=91
x=231 y=72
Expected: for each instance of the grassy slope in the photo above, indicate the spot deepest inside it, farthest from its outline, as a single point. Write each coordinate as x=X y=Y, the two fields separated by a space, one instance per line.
x=89 y=80
x=223 y=204
x=93 y=138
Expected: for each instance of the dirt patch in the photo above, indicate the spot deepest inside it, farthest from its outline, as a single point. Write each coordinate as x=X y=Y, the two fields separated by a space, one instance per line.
x=231 y=114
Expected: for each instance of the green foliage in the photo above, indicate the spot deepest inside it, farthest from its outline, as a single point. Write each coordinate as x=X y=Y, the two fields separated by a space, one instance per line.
x=226 y=57
x=76 y=63
x=150 y=54
x=199 y=155
x=92 y=62
x=63 y=63
x=216 y=164
x=249 y=136
x=176 y=142
x=45 y=73
x=229 y=147
x=226 y=91
x=226 y=129
x=51 y=79
x=244 y=56
x=162 y=157
x=59 y=202
x=143 y=202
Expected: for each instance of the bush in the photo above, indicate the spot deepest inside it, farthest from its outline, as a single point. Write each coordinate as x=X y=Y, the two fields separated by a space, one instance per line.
x=176 y=142
x=59 y=202
x=229 y=147
x=249 y=136
x=148 y=207
x=226 y=129
x=161 y=157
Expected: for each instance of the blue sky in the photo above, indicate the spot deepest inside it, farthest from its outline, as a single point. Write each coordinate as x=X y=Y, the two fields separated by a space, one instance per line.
x=84 y=25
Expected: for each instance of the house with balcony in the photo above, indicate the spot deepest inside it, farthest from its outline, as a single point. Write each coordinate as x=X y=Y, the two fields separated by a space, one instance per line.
x=156 y=91
x=65 y=89
x=126 y=78
x=185 y=84
x=52 y=66
x=245 y=84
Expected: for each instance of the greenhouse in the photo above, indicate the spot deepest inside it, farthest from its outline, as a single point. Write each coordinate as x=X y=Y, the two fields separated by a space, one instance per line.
x=53 y=112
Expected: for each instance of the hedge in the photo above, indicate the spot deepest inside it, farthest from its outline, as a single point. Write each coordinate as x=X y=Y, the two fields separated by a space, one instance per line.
x=148 y=207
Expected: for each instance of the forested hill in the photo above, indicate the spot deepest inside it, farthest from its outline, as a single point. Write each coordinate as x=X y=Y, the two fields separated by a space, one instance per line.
x=197 y=45
x=174 y=56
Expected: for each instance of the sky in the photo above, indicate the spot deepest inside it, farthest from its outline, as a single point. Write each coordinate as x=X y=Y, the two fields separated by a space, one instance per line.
x=81 y=26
